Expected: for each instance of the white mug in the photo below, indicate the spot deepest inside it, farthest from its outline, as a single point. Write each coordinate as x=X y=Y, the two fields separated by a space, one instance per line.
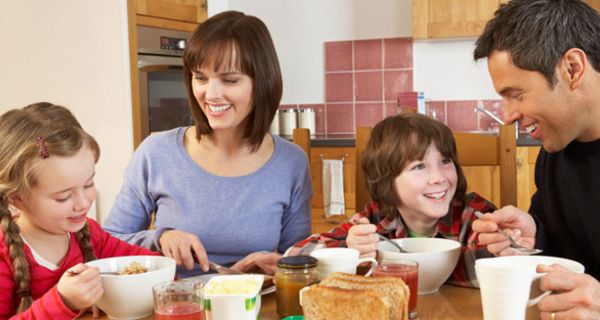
x=340 y=260
x=509 y=285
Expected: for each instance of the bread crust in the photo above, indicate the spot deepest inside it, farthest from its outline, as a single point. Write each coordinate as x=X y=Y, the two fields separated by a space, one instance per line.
x=331 y=303
x=393 y=291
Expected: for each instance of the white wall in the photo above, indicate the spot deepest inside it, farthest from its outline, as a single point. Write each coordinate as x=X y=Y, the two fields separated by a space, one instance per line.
x=445 y=70
x=73 y=53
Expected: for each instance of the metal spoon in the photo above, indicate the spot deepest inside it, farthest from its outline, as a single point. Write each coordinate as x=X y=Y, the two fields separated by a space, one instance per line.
x=513 y=244
x=394 y=243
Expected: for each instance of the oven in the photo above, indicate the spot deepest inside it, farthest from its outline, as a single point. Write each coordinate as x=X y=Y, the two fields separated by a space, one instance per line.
x=163 y=101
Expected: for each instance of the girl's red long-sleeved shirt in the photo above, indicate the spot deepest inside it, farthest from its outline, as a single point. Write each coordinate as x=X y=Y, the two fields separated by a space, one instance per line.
x=47 y=302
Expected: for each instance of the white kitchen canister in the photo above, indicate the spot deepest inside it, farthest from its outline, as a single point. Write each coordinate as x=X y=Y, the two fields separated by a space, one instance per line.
x=287 y=122
x=306 y=119
x=274 y=128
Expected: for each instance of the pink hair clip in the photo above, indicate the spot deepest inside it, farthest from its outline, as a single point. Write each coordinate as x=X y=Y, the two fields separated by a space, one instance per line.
x=42 y=147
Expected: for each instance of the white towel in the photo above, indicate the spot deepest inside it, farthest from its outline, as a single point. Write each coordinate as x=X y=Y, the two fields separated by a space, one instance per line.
x=333 y=187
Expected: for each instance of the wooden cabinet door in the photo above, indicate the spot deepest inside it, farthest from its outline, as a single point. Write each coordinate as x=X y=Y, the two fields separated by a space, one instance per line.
x=182 y=10
x=183 y=15
x=451 y=18
x=594 y=4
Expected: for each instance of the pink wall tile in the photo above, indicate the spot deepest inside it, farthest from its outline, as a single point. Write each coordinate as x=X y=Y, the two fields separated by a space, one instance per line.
x=398 y=53
x=368 y=86
x=460 y=115
x=367 y=54
x=319 y=116
x=340 y=118
x=368 y=114
x=391 y=108
x=436 y=110
x=338 y=87
x=486 y=123
x=396 y=82
x=338 y=56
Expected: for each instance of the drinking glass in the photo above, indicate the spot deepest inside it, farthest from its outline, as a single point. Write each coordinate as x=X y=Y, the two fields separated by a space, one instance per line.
x=408 y=271
x=178 y=300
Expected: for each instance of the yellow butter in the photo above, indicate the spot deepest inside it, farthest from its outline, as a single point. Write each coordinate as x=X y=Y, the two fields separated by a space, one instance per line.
x=233 y=287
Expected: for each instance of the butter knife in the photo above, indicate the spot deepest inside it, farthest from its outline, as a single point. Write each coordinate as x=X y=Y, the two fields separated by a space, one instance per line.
x=224 y=270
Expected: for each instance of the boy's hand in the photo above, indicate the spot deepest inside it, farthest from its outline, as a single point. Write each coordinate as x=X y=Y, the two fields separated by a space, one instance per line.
x=363 y=238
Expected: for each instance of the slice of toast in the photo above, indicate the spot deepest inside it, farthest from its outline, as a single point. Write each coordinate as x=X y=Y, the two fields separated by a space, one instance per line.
x=394 y=291
x=331 y=303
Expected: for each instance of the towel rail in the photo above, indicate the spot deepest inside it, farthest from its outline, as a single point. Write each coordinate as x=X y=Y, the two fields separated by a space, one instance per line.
x=343 y=157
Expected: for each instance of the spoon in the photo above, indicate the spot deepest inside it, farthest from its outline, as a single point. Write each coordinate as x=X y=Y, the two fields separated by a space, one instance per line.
x=394 y=243
x=513 y=244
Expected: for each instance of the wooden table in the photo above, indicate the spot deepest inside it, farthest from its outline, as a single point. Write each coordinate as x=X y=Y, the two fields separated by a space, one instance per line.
x=448 y=303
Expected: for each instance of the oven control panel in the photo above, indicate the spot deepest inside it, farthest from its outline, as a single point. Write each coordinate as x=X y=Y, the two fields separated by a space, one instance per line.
x=169 y=43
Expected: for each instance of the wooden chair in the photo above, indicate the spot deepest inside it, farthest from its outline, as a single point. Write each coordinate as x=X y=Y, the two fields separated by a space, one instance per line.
x=488 y=161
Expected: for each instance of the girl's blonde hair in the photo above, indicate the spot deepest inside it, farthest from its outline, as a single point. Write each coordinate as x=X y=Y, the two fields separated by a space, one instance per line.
x=394 y=143
x=28 y=136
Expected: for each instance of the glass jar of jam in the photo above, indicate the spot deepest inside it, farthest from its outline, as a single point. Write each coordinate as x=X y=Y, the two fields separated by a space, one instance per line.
x=292 y=274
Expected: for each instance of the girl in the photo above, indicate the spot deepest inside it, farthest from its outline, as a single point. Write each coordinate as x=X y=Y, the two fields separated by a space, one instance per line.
x=47 y=175
x=225 y=188
x=418 y=190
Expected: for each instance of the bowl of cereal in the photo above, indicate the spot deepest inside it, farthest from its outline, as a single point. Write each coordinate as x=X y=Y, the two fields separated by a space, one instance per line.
x=128 y=283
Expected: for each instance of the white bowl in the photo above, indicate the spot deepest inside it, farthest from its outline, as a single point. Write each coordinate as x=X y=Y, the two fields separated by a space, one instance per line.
x=130 y=296
x=232 y=306
x=437 y=259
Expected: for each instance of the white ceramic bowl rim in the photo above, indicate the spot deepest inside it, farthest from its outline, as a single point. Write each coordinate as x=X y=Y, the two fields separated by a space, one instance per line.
x=168 y=261
x=432 y=246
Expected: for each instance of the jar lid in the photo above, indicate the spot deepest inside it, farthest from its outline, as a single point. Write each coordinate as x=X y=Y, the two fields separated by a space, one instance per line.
x=306 y=110
x=294 y=318
x=297 y=262
x=287 y=110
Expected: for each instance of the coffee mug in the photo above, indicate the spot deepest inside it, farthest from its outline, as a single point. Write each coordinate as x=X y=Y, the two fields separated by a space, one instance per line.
x=508 y=285
x=340 y=260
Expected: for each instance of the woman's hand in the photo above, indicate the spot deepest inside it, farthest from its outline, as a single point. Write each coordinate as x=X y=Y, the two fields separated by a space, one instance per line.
x=518 y=224
x=265 y=262
x=363 y=238
x=80 y=287
x=576 y=295
x=185 y=248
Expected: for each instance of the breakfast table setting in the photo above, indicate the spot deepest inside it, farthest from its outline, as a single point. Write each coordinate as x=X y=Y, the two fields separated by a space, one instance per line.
x=450 y=302
x=333 y=281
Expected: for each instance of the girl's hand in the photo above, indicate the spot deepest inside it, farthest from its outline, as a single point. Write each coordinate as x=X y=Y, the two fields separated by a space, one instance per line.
x=363 y=238
x=80 y=287
x=265 y=262
x=185 y=248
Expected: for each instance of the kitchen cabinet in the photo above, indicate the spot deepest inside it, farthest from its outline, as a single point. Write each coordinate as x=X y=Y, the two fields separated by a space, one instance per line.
x=181 y=15
x=451 y=18
x=439 y=19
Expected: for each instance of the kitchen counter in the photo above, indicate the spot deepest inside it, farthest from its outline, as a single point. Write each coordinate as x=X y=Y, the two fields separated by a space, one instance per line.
x=348 y=141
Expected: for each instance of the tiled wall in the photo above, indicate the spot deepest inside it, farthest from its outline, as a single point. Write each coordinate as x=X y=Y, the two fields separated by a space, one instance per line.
x=365 y=81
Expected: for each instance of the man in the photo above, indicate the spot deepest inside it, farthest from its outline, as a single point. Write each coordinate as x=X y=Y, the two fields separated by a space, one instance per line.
x=544 y=60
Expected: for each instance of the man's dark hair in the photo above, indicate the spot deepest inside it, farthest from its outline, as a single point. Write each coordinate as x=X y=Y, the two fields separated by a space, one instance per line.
x=537 y=33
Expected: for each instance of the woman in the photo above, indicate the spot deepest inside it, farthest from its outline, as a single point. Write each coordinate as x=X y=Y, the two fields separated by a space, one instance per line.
x=223 y=189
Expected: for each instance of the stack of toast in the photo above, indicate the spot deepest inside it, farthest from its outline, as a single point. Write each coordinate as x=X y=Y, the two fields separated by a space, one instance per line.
x=342 y=296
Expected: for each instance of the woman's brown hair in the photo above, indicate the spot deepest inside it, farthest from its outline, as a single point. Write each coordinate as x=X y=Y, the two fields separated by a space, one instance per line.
x=235 y=41
x=394 y=143
x=28 y=136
